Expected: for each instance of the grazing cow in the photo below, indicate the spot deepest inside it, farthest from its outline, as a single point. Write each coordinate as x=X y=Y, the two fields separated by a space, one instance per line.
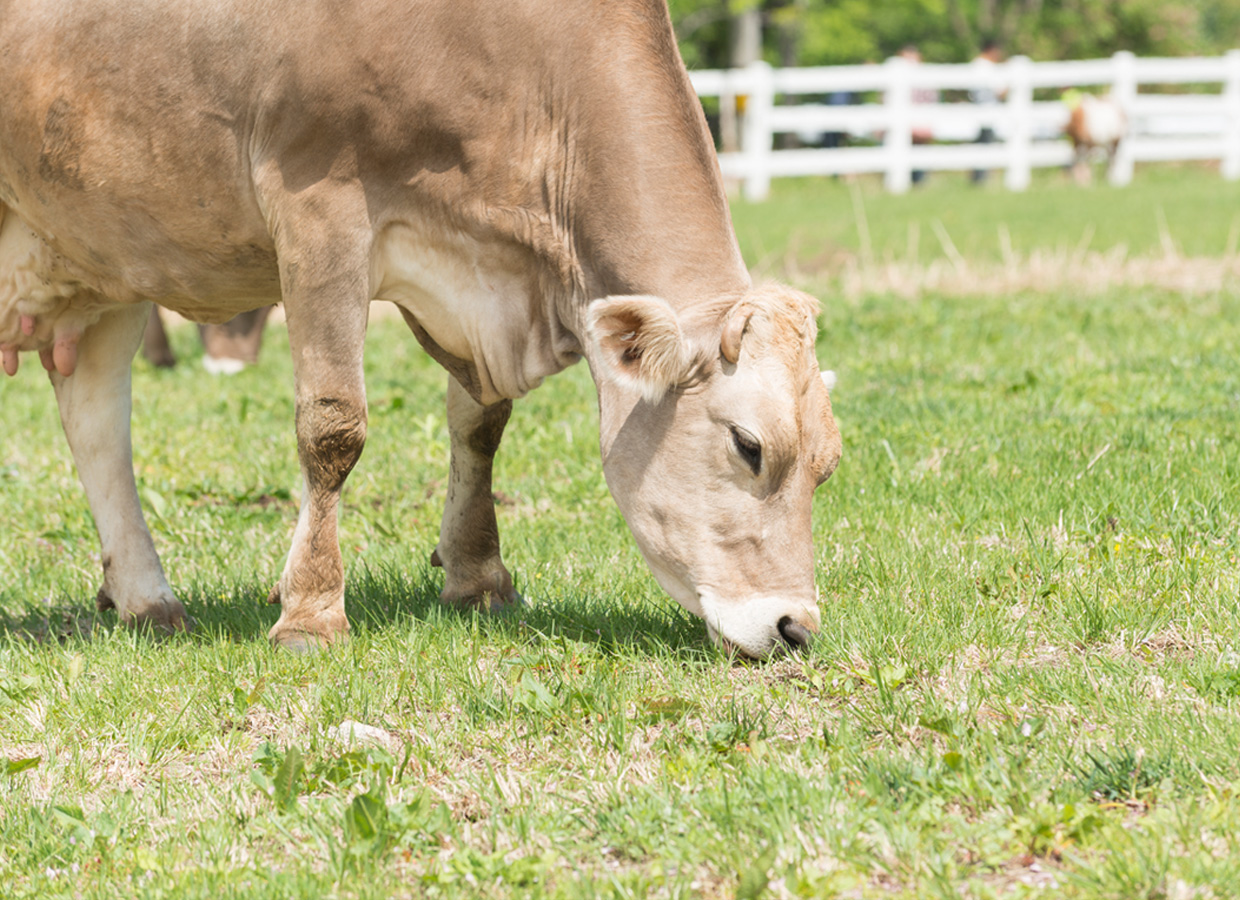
x=531 y=182
x=1094 y=123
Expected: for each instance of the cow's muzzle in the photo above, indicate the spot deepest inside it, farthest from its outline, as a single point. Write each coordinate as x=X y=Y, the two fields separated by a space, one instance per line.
x=795 y=635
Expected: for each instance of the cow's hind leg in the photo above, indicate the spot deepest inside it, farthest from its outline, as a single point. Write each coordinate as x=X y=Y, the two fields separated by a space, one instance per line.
x=326 y=296
x=155 y=346
x=474 y=575
x=95 y=404
x=235 y=344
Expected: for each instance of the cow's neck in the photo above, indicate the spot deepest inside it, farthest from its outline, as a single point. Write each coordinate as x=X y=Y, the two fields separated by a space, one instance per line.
x=649 y=214
x=606 y=182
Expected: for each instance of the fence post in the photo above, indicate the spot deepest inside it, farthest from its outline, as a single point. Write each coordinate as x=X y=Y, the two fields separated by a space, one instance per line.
x=757 y=141
x=1020 y=122
x=898 y=103
x=1230 y=164
x=1124 y=90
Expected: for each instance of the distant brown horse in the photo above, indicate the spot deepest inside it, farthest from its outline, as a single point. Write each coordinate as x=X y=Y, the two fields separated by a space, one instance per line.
x=229 y=347
x=1095 y=123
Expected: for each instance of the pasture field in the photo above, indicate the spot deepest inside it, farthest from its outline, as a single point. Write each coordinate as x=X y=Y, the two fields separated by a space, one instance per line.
x=815 y=221
x=1027 y=682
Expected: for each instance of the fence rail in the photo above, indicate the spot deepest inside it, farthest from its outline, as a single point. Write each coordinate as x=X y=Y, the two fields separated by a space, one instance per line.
x=762 y=101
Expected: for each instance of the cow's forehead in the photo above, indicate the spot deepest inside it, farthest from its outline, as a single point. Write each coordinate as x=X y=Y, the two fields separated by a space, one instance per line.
x=784 y=317
x=790 y=340
x=779 y=346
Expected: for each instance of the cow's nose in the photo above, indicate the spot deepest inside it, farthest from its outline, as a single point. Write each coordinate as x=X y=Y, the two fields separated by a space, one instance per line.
x=796 y=636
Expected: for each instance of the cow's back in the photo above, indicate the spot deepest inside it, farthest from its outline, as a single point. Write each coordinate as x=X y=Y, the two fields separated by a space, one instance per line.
x=123 y=152
x=146 y=139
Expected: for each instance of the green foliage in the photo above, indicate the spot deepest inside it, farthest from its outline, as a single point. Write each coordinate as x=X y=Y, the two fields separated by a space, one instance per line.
x=15 y=766
x=1124 y=774
x=1217 y=684
x=98 y=834
x=366 y=826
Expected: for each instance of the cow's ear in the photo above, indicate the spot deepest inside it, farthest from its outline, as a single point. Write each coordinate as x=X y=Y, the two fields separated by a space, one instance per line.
x=639 y=342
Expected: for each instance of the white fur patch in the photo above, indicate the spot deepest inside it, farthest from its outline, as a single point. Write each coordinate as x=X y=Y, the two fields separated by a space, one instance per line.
x=1104 y=119
x=222 y=365
x=752 y=625
x=828 y=378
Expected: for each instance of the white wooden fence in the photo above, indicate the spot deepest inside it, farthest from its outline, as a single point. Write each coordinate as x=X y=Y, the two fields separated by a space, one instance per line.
x=1161 y=126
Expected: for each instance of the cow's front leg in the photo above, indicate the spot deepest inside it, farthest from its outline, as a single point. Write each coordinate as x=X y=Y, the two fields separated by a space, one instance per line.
x=95 y=404
x=1082 y=173
x=468 y=551
x=327 y=328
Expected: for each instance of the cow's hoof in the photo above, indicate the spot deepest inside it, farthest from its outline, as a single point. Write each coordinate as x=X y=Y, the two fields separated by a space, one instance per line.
x=168 y=617
x=494 y=594
x=162 y=359
x=300 y=643
x=487 y=602
x=103 y=602
x=304 y=638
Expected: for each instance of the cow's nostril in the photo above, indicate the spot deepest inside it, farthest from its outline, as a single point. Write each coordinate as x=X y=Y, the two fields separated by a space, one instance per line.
x=795 y=635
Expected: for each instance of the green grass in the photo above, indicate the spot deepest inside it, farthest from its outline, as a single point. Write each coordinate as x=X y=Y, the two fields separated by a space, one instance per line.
x=1027 y=682
x=817 y=220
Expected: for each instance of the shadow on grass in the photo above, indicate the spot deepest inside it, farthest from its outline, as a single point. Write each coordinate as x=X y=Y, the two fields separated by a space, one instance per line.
x=55 y=620
x=382 y=600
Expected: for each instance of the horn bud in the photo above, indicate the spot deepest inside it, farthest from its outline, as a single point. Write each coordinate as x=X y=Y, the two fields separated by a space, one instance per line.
x=734 y=331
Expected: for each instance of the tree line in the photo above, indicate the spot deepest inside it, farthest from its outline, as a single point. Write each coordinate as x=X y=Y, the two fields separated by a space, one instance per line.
x=721 y=33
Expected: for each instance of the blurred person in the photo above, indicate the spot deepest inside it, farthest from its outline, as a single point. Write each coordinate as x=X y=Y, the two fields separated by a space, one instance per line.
x=985 y=95
x=922 y=133
x=833 y=139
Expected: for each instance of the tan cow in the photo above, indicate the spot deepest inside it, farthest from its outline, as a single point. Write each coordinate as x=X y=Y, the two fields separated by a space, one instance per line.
x=529 y=181
x=1094 y=124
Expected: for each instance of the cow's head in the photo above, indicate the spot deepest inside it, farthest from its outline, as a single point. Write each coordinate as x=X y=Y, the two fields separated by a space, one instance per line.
x=716 y=429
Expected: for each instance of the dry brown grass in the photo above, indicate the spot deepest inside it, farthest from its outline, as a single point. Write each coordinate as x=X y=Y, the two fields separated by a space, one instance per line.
x=1088 y=273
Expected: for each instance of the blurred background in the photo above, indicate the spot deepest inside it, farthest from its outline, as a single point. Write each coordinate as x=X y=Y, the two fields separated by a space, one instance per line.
x=723 y=33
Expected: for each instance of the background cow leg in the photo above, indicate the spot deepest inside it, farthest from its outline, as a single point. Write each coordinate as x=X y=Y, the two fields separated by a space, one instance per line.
x=327 y=327
x=235 y=344
x=95 y=404
x=1082 y=174
x=155 y=346
x=474 y=574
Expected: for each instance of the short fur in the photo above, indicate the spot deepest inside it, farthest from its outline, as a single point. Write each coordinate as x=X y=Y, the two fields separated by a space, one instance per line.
x=522 y=179
x=640 y=343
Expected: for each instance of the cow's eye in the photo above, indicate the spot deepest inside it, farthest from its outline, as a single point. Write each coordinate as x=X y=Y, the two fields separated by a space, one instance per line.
x=748 y=447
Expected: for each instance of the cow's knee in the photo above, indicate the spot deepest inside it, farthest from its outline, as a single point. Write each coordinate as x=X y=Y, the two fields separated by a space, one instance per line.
x=331 y=432
x=488 y=431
